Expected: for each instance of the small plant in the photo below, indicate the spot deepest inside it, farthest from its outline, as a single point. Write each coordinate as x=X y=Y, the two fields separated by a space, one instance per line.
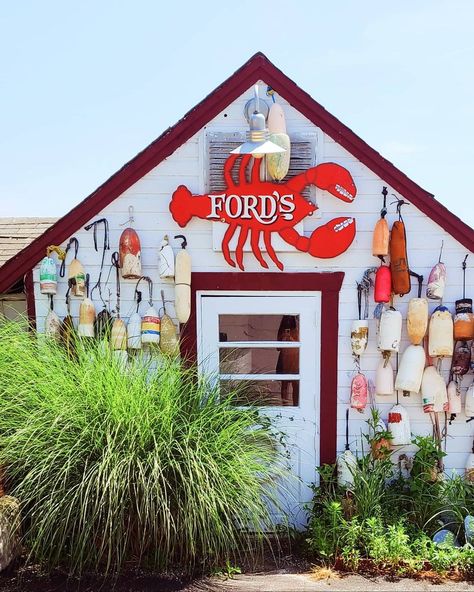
x=228 y=571
x=379 y=437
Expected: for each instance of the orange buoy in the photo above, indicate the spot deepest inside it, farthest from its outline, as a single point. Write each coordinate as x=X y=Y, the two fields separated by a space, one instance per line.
x=401 y=283
x=130 y=252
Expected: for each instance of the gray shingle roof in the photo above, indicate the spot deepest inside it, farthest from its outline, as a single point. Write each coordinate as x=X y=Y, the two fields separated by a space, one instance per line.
x=18 y=233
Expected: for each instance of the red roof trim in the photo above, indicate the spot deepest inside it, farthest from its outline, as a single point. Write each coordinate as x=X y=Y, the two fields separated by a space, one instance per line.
x=258 y=67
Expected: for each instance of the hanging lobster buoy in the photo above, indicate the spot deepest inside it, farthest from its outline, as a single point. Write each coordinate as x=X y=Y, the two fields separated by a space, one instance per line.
x=469 y=403
x=461 y=361
x=52 y=324
x=168 y=337
x=454 y=400
x=410 y=370
x=359 y=336
x=76 y=275
x=390 y=330
x=399 y=426
x=85 y=327
x=118 y=333
x=381 y=234
x=346 y=462
x=151 y=319
x=464 y=319
x=469 y=470
x=134 y=326
x=383 y=284
x=48 y=271
x=384 y=377
x=401 y=283
x=417 y=319
x=166 y=259
x=182 y=282
x=433 y=391
x=130 y=251
x=359 y=392
x=68 y=331
x=437 y=280
x=278 y=163
x=440 y=334
x=103 y=324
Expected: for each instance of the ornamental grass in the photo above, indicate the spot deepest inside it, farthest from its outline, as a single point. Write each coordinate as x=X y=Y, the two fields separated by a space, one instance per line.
x=142 y=465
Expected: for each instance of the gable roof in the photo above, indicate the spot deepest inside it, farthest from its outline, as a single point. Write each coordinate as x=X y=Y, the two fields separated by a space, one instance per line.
x=258 y=67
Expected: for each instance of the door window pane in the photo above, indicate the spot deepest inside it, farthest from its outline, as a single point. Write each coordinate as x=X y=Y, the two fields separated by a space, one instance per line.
x=262 y=392
x=262 y=327
x=259 y=360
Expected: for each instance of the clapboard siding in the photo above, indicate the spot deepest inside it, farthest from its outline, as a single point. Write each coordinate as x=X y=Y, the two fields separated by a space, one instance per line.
x=150 y=198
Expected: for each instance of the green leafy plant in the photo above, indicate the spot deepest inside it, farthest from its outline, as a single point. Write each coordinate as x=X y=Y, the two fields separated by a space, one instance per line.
x=144 y=465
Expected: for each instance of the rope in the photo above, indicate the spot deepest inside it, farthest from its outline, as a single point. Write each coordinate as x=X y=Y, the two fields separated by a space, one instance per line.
x=72 y=241
x=105 y=247
x=116 y=264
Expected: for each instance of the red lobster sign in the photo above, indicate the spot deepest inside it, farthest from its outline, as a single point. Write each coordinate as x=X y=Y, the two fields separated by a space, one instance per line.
x=258 y=206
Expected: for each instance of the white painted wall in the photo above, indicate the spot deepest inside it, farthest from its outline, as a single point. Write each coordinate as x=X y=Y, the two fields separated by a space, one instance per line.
x=150 y=198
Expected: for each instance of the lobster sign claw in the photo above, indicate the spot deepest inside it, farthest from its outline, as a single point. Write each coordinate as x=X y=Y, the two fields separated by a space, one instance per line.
x=257 y=207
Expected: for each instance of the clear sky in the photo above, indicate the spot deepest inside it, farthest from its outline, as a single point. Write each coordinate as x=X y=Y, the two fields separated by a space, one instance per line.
x=86 y=85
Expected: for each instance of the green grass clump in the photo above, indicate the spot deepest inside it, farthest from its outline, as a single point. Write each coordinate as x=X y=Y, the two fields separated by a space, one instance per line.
x=144 y=465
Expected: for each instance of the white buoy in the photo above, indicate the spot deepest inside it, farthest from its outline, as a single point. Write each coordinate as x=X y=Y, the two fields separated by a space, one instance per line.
x=48 y=276
x=399 y=426
x=384 y=378
x=417 y=319
x=52 y=325
x=440 y=337
x=85 y=327
x=346 y=462
x=390 y=330
x=134 y=331
x=410 y=370
x=433 y=391
x=454 y=399
x=359 y=336
x=166 y=259
x=278 y=163
x=182 y=280
x=469 y=402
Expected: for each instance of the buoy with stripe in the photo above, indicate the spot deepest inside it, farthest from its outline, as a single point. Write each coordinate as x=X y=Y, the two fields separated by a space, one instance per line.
x=85 y=327
x=410 y=370
x=401 y=283
x=359 y=392
x=166 y=259
x=346 y=462
x=48 y=270
x=433 y=391
x=440 y=333
x=130 y=251
x=384 y=377
x=151 y=319
x=464 y=318
x=52 y=324
x=76 y=275
x=182 y=280
x=278 y=163
x=399 y=426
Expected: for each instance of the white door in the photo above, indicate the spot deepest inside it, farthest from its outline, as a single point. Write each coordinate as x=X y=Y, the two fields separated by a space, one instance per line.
x=272 y=345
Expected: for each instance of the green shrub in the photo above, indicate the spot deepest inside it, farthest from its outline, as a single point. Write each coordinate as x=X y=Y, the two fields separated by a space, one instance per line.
x=145 y=466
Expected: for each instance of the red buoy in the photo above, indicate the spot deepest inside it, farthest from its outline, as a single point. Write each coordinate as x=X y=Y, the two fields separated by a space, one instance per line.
x=383 y=284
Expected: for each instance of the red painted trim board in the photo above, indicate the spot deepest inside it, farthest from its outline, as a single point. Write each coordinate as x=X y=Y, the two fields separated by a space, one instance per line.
x=329 y=284
x=257 y=68
x=30 y=299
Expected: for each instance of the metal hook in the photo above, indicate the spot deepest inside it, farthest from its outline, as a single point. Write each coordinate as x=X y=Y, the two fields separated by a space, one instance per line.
x=131 y=218
x=441 y=251
x=383 y=211
x=150 y=288
x=184 y=242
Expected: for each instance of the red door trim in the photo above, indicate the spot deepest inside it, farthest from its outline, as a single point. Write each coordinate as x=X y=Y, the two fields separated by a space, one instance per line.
x=29 y=288
x=329 y=284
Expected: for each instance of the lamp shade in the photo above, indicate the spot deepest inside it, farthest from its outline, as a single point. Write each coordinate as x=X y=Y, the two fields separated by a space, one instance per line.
x=257 y=143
